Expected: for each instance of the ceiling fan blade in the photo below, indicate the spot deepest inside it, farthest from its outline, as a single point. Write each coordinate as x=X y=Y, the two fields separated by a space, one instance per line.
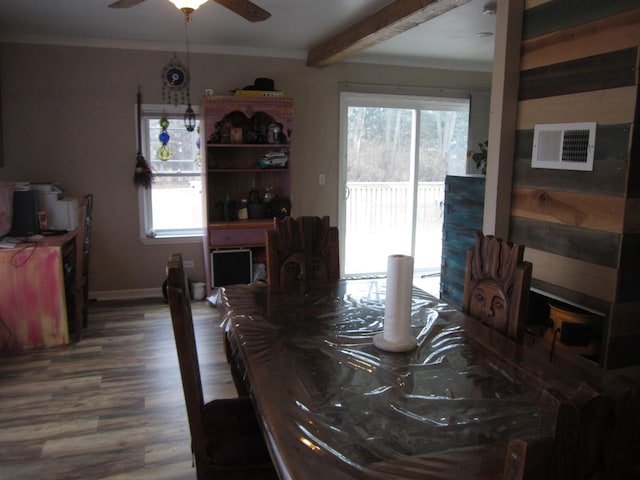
x=125 y=3
x=245 y=9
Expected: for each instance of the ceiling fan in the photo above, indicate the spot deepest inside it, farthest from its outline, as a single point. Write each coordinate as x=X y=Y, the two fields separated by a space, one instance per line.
x=245 y=8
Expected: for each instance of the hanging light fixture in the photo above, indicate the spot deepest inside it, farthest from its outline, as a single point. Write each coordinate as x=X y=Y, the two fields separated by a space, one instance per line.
x=189 y=114
x=189 y=118
x=188 y=6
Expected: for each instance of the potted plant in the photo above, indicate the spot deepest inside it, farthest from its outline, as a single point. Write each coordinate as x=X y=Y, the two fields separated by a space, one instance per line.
x=480 y=158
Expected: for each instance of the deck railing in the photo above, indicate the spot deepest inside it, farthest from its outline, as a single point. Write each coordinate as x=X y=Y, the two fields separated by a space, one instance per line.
x=371 y=205
x=379 y=220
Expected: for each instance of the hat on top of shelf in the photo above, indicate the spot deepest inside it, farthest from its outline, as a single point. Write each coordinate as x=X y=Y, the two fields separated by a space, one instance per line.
x=263 y=84
x=262 y=87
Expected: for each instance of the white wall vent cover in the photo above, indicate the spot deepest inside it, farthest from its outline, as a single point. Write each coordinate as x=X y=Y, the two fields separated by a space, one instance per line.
x=564 y=146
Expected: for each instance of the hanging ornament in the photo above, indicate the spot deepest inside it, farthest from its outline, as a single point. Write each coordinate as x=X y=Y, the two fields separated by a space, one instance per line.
x=142 y=175
x=189 y=118
x=175 y=82
x=189 y=114
x=164 y=152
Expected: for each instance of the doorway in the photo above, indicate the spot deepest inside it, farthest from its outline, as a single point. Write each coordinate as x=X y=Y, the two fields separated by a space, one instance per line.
x=395 y=152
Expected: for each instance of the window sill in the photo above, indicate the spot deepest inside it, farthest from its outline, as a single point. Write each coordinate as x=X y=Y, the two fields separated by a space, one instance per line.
x=171 y=240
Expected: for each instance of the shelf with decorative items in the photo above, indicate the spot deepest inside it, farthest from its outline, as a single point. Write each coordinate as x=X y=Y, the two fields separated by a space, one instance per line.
x=246 y=176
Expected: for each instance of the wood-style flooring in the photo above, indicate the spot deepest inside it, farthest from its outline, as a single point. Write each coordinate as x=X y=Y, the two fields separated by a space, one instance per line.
x=111 y=406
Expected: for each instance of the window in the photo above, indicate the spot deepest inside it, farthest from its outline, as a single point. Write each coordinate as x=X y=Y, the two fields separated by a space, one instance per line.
x=172 y=207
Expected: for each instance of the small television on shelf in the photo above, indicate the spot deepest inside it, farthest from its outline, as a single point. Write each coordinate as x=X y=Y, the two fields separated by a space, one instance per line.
x=231 y=266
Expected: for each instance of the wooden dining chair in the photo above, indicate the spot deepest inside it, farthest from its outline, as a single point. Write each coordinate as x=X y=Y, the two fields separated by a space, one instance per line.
x=571 y=442
x=226 y=440
x=81 y=277
x=496 y=285
x=304 y=250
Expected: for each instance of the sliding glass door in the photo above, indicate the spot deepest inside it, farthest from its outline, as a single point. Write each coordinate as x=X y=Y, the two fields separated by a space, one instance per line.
x=395 y=152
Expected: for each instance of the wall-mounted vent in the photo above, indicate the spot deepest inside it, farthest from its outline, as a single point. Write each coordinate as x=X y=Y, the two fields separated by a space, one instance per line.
x=564 y=146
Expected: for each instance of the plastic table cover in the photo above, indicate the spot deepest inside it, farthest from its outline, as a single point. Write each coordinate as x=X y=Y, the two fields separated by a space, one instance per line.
x=335 y=406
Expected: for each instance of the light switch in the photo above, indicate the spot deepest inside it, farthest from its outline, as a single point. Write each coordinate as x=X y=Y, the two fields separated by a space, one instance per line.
x=322 y=179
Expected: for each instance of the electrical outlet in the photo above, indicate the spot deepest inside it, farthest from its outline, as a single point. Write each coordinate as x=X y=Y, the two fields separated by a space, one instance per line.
x=188 y=264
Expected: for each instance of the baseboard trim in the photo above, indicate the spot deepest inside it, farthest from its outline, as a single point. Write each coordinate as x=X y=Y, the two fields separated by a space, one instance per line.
x=126 y=294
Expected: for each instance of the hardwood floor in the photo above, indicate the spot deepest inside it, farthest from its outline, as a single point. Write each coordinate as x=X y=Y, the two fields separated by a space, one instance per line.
x=109 y=407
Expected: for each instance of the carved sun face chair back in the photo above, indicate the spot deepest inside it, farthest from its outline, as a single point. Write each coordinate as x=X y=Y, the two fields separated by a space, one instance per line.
x=302 y=250
x=496 y=285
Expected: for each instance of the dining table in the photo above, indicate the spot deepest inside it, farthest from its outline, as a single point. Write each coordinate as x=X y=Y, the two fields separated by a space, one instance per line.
x=334 y=406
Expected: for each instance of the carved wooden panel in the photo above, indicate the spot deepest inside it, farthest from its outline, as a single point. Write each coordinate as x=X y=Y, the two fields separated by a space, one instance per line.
x=496 y=286
x=302 y=250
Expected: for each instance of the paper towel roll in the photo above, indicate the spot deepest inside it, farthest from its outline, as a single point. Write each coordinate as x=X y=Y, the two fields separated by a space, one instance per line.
x=397 y=310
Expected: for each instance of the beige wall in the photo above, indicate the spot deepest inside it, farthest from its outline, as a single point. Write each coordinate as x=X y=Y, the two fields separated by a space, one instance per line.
x=69 y=118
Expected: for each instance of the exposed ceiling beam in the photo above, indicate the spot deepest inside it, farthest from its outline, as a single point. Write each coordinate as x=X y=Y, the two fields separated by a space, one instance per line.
x=397 y=17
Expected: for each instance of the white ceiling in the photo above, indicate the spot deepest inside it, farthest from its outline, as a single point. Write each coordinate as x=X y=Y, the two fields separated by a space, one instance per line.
x=448 y=41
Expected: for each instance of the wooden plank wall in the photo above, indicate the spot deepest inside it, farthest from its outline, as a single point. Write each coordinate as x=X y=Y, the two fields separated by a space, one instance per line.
x=579 y=63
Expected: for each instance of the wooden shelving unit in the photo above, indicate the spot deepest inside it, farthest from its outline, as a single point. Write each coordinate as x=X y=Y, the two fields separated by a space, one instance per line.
x=236 y=133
